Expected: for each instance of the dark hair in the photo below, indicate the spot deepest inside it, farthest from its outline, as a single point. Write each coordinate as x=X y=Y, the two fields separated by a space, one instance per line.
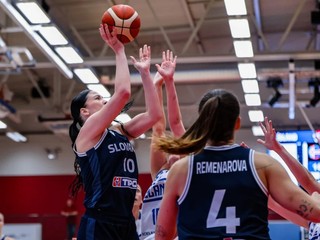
x=218 y=112
x=77 y=103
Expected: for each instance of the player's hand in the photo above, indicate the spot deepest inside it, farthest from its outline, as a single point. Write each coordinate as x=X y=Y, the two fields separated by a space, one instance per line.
x=168 y=65
x=269 y=132
x=111 y=38
x=144 y=59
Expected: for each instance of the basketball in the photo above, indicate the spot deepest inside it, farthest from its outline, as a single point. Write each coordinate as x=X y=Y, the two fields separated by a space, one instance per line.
x=125 y=19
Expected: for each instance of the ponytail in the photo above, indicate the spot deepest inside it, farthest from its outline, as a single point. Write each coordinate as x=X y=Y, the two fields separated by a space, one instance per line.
x=218 y=112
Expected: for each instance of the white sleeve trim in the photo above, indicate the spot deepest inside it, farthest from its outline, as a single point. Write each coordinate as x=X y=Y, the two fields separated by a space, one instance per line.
x=188 y=180
x=255 y=173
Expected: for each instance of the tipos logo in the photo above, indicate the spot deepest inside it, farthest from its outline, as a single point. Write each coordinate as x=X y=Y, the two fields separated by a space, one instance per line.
x=124 y=182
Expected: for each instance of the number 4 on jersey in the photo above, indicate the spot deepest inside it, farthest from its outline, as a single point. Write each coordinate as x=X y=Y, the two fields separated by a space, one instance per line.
x=230 y=221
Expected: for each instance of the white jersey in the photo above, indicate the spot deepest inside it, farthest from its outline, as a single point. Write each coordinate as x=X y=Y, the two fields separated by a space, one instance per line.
x=151 y=205
x=314 y=231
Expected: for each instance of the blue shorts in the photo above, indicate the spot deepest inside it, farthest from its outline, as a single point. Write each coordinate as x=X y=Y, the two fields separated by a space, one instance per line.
x=96 y=226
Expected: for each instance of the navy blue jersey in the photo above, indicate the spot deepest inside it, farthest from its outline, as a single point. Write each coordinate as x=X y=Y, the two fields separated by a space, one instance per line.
x=109 y=171
x=223 y=197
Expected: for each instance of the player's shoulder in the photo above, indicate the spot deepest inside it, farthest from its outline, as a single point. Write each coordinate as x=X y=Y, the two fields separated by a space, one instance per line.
x=180 y=167
x=262 y=160
x=263 y=157
x=183 y=162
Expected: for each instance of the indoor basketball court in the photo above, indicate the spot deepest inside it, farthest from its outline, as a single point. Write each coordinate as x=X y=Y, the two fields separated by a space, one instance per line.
x=265 y=52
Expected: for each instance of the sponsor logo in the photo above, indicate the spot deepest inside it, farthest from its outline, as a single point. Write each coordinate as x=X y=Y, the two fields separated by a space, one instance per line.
x=124 y=182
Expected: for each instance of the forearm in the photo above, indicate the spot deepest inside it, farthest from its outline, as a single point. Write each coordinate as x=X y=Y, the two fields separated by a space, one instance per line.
x=285 y=213
x=174 y=114
x=159 y=128
x=122 y=76
x=303 y=176
x=153 y=108
x=165 y=226
x=145 y=121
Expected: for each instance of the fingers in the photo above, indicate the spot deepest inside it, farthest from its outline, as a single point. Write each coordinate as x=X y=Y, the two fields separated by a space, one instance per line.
x=267 y=124
x=149 y=51
x=262 y=127
x=164 y=58
x=104 y=31
x=145 y=52
x=168 y=55
x=133 y=59
x=260 y=141
x=243 y=144
x=175 y=60
x=101 y=29
x=109 y=36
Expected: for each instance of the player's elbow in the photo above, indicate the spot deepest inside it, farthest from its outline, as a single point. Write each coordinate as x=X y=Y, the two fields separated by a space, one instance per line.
x=155 y=116
x=124 y=94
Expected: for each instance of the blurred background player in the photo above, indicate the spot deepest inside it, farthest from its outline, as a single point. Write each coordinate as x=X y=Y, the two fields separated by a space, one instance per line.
x=71 y=213
x=2 y=235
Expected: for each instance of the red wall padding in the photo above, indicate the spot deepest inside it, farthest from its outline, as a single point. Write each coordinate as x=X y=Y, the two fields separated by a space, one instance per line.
x=39 y=199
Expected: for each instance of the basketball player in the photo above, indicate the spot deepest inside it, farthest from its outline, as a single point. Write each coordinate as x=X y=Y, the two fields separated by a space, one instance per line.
x=159 y=162
x=304 y=177
x=70 y=213
x=220 y=191
x=105 y=159
x=2 y=236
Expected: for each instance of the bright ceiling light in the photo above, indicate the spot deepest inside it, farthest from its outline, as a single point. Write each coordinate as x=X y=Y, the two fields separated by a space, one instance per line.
x=247 y=70
x=35 y=37
x=69 y=55
x=52 y=35
x=86 y=75
x=243 y=48
x=252 y=99
x=33 y=12
x=239 y=28
x=2 y=43
x=257 y=131
x=3 y=125
x=100 y=89
x=235 y=7
x=142 y=136
x=15 y=136
x=250 y=86
x=256 y=115
x=123 y=117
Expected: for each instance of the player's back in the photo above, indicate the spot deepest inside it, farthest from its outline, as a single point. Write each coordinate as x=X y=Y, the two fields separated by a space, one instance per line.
x=223 y=197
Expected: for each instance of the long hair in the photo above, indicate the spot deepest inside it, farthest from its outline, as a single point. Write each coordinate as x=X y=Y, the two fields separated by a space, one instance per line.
x=218 y=112
x=77 y=103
